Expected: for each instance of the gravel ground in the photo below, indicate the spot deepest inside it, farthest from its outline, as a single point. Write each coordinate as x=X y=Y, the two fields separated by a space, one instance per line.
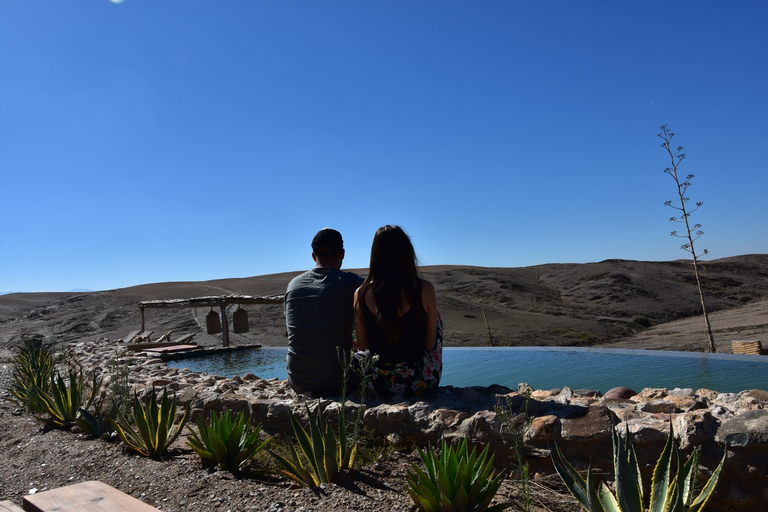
x=33 y=459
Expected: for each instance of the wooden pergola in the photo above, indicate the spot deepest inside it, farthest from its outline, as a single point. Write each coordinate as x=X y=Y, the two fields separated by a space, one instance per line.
x=221 y=301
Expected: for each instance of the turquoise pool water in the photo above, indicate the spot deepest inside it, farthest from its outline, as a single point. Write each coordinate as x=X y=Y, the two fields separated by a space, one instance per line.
x=544 y=368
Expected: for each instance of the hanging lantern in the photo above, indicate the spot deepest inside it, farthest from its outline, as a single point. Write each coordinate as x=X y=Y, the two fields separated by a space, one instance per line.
x=213 y=322
x=240 y=320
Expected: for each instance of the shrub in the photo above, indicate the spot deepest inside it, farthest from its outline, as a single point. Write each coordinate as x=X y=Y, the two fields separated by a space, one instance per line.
x=671 y=489
x=62 y=404
x=642 y=321
x=227 y=443
x=323 y=454
x=456 y=480
x=33 y=369
x=152 y=429
x=98 y=424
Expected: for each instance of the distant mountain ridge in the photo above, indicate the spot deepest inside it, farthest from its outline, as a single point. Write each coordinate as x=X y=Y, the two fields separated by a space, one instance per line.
x=583 y=304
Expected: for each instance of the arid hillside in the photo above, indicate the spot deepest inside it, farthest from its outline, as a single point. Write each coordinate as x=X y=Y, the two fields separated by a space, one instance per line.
x=614 y=302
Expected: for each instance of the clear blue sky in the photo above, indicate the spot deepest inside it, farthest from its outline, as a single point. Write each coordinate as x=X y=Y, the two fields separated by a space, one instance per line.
x=149 y=141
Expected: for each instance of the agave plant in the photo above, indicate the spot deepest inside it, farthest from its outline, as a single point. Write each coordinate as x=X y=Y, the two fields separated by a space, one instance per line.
x=456 y=480
x=323 y=454
x=61 y=406
x=98 y=423
x=153 y=428
x=227 y=443
x=32 y=375
x=670 y=488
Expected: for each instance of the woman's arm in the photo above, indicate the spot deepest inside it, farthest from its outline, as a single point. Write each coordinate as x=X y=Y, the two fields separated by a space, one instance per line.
x=429 y=301
x=362 y=339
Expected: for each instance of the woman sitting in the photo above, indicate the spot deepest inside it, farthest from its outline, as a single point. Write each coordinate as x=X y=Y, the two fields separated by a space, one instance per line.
x=397 y=319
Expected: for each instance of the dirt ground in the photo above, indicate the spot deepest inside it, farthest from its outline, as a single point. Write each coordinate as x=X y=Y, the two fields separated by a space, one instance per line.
x=34 y=459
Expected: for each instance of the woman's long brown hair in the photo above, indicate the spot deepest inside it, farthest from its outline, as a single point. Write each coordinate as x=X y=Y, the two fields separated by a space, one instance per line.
x=392 y=277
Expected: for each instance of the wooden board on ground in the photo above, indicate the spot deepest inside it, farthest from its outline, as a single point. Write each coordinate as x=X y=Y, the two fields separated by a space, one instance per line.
x=9 y=506
x=93 y=496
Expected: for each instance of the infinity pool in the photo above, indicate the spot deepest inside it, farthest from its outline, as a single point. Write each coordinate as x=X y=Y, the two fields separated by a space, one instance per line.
x=543 y=368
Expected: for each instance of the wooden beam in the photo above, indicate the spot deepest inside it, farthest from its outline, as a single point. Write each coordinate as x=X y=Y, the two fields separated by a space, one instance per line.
x=222 y=301
x=204 y=302
x=224 y=325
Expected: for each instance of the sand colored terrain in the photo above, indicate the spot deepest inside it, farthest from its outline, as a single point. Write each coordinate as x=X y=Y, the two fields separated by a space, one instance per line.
x=621 y=303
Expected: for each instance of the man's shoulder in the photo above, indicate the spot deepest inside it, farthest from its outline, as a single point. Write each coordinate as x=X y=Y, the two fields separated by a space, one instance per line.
x=325 y=277
x=300 y=281
x=352 y=276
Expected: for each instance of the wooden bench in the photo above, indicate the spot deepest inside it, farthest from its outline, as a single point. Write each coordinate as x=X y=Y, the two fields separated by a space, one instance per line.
x=93 y=496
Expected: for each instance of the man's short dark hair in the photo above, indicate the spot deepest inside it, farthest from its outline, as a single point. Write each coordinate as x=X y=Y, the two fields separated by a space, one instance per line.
x=327 y=242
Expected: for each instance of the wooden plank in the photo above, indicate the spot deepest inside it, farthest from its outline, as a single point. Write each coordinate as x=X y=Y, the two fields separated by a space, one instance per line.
x=164 y=337
x=203 y=302
x=171 y=348
x=93 y=496
x=149 y=344
x=132 y=336
x=9 y=506
x=184 y=339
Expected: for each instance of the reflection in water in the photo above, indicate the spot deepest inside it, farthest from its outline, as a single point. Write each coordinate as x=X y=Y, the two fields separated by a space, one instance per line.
x=544 y=368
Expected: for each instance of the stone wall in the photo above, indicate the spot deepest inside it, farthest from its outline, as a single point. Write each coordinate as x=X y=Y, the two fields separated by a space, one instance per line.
x=578 y=421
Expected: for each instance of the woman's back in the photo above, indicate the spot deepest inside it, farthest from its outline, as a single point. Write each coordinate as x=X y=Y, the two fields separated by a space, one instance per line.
x=411 y=328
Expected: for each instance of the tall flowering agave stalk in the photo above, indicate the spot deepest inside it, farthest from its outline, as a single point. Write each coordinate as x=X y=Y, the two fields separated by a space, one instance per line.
x=671 y=489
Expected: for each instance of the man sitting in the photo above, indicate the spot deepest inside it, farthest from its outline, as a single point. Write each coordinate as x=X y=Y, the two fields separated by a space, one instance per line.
x=319 y=317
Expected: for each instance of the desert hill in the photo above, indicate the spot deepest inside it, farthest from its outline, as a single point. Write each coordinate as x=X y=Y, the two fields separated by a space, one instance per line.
x=614 y=302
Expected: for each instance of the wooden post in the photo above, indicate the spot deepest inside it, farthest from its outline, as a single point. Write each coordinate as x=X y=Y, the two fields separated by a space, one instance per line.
x=142 y=318
x=224 y=323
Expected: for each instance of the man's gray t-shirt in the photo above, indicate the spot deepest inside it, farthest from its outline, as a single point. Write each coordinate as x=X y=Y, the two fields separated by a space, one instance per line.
x=319 y=316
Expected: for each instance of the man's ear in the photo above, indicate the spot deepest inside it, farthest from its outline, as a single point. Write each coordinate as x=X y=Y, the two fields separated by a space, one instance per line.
x=314 y=257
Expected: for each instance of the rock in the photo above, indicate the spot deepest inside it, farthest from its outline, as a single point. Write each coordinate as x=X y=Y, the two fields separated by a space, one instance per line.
x=648 y=430
x=749 y=428
x=686 y=402
x=695 y=428
x=759 y=394
x=659 y=406
x=544 y=429
x=619 y=393
x=596 y=424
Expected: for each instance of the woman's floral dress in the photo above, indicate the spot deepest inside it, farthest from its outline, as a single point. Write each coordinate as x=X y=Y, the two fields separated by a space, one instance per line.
x=408 y=380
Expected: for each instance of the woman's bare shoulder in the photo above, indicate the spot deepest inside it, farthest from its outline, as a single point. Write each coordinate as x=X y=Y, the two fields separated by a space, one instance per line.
x=427 y=288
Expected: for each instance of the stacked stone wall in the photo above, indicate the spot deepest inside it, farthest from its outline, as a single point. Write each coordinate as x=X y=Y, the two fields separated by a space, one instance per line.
x=578 y=421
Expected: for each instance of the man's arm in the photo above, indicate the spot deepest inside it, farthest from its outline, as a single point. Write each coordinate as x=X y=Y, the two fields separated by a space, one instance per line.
x=362 y=339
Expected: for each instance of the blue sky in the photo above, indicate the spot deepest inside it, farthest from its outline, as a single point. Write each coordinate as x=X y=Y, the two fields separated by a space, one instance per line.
x=150 y=141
